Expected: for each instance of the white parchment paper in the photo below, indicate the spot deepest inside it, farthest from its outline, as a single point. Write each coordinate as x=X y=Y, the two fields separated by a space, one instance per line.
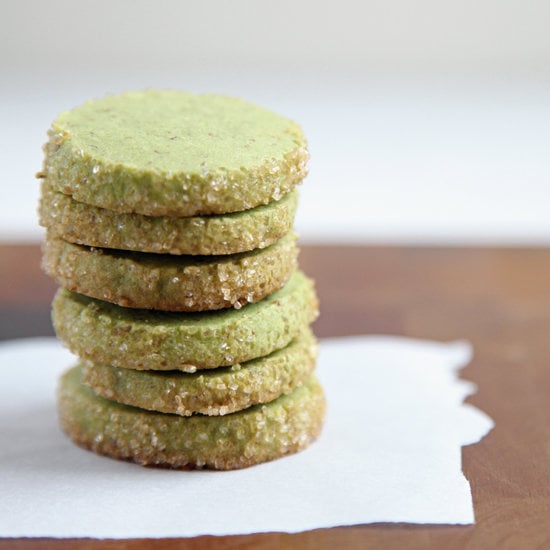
x=390 y=452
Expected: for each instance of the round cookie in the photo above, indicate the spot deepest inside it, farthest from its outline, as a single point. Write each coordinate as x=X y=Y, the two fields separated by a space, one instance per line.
x=167 y=282
x=257 y=434
x=156 y=340
x=169 y=153
x=214 y=392
x=82 y=223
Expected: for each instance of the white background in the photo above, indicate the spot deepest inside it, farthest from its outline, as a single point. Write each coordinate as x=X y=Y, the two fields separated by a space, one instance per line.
x=428 y=121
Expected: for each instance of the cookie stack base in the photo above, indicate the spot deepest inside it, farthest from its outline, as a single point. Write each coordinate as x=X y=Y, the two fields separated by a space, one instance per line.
x=238 y=440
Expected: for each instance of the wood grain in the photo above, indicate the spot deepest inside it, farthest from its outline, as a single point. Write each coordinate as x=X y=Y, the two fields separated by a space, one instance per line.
x=497 y=298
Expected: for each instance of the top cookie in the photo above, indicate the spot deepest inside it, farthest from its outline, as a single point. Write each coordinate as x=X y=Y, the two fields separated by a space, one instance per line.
x=168 y=153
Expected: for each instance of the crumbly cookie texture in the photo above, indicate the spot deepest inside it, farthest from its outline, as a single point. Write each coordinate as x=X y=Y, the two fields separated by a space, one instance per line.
x=214 y=392
x=171 y=283
x=156 y=340
x=258 y=434
x=169 y=153
x=82 y=223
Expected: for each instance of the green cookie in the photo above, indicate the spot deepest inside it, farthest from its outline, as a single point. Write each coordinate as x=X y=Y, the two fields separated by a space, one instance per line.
x=214 y=392
x=167 y=282
x=168 y=153
x=81 y=223
x=156 y=340
x=258 y=434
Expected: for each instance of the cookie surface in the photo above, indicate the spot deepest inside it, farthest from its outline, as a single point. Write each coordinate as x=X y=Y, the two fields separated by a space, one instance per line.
x=169 y=153
x=170 y=283
x=156 y=340
x=258 y=434
x=82 y=223
x=214 y=392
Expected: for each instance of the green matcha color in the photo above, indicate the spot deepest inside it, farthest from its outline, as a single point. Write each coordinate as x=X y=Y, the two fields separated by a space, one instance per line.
x=213 y=392
x=156 y=340
x=81 y=223
x=169 y=227
x=168 y=153
x=238 y=440
x=167 y=282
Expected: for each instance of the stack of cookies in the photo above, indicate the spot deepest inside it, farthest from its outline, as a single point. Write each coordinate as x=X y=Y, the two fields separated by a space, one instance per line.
x=169 y=223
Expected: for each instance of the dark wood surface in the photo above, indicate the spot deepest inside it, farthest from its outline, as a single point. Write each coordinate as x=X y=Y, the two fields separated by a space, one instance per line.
x=497 y=298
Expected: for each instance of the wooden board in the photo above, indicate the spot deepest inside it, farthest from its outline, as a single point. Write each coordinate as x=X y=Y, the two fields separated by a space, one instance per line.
x=499 y=299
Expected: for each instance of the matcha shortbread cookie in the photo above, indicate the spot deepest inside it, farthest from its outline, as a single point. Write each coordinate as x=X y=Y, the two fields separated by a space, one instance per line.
x=214 y=392
x=169 y=153
x=82 y=223
x=170 y=283
x=257 y=434
x=157 y=340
